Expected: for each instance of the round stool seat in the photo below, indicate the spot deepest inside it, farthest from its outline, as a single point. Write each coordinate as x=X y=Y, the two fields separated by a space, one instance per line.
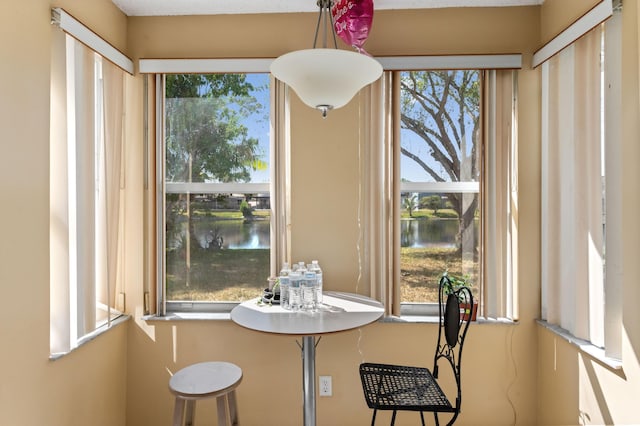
x=206 y=380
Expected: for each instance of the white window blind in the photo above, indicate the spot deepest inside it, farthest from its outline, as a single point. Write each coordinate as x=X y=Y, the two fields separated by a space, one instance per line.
x=86 y=182
x=572 y=190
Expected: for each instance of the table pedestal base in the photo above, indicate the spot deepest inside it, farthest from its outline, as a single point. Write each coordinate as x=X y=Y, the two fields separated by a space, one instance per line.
x=309 y=380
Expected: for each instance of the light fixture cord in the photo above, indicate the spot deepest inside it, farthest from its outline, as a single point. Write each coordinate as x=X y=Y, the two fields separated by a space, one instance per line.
x=324 y=15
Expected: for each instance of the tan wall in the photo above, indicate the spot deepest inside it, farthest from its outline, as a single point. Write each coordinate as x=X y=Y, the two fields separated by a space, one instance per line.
x=556 y=15
x=86 y=387
x=469 y=30
x=574 y=388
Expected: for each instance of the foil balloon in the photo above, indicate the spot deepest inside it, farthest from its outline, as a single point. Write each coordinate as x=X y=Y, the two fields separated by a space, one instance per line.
x=352 y=21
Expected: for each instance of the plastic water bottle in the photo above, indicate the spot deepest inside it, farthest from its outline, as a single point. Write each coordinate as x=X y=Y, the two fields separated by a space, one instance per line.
x=285 y=282
x=295 y=296
x=315 y=266
x=285 y=269
x=309 y=290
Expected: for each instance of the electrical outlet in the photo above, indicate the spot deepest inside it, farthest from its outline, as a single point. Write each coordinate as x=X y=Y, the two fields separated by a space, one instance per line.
x=325 y=386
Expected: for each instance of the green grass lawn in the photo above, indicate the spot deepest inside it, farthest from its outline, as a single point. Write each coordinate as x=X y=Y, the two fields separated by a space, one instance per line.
x=421 y=269
x=427 y=213
x=224 y=275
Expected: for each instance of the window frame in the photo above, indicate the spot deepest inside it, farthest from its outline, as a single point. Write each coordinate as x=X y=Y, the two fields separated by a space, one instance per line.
x=380 y=115
x=610 y=350
x=427 y=309
x=376 y=273
x=76 y=300
x=279 y=164
x=460 y=187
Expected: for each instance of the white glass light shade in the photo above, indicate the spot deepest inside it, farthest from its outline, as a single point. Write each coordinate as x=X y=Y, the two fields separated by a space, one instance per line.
x=326 y=78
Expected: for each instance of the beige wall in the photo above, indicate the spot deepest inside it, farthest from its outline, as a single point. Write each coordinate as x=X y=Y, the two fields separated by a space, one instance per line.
x=556 y=15
x=87 y=387
x=469 y=30
x=573 y=387
x=121 y=377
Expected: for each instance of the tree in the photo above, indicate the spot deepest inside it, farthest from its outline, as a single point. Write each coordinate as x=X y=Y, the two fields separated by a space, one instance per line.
x=410 y=204
x=433 y=202
x=442 y=108
x=205 y=140
x=246 y=210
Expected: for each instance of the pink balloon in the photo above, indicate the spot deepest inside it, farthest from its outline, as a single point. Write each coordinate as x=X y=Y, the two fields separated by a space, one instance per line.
x=352 y=21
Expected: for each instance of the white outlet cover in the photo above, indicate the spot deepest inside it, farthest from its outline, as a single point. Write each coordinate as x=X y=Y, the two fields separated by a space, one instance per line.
x=325 y=388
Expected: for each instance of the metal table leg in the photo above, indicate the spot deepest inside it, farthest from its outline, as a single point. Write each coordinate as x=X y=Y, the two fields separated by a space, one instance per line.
x=309 y=380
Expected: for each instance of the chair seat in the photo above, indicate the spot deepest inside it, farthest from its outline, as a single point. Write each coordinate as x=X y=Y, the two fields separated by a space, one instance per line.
x=397 y=387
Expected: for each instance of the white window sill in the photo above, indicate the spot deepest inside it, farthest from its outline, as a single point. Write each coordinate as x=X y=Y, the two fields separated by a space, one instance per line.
x=584 y=346
x=189 y=316
x=91 y=336
x=226 y=316
x=434 y=320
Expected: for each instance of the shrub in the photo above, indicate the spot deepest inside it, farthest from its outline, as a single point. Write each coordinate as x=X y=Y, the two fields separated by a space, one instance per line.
x=246 y=210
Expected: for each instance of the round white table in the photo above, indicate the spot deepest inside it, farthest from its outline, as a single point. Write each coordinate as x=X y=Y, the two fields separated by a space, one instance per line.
x=339 y=312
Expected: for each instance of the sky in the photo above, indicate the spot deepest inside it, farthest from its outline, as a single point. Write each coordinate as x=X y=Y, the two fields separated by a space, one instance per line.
x=258 y=127
x=258 y=124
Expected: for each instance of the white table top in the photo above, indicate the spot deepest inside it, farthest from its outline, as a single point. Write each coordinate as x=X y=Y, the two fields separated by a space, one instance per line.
x=340 y=311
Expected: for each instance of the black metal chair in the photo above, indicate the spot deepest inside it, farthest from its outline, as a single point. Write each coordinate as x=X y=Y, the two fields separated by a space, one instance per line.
x=403 y=388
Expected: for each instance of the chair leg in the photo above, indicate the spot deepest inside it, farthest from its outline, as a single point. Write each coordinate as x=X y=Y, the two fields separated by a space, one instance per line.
x=233 y=408
x=393 y=418
x=223 y=411
x=190 y=417
x=178 y=412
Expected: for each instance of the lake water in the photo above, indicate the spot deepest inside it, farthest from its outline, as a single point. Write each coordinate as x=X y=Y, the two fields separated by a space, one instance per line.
x=439 y=233
x=432 y=233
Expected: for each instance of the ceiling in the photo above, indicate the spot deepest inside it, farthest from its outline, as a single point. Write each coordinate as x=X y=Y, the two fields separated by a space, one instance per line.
x=219 y=7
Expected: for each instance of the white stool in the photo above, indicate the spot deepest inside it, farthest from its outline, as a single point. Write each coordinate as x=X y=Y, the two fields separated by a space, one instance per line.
x=206 y=380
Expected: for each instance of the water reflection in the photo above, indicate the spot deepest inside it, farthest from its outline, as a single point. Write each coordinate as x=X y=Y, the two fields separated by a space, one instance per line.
x=213 y=234
x=216 y=234
x=431 y=233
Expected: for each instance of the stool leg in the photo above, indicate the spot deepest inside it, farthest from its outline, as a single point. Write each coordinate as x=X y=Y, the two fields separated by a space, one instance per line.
x=233 y=408
x=191 y=413
x=223 y=411
x=178 y=412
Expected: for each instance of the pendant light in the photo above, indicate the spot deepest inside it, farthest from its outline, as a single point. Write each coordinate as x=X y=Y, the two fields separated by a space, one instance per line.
x=326 y=78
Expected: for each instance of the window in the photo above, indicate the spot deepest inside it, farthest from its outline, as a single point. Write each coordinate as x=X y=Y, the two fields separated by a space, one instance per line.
x=191 y=196
x=445 y=142
x=580 y=144
x=441 y=148
x=218 y=208
x=86 y=193
x=217 y=214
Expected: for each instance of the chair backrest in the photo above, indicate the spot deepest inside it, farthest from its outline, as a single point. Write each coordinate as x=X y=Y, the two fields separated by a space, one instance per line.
x=454 y=323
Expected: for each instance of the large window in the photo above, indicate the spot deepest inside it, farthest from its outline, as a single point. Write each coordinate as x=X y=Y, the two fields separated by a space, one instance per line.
x=441 y=147
x=424 y=180
x=581 y=201
x=86 y=193
x=444 y=197
x=217 y=193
